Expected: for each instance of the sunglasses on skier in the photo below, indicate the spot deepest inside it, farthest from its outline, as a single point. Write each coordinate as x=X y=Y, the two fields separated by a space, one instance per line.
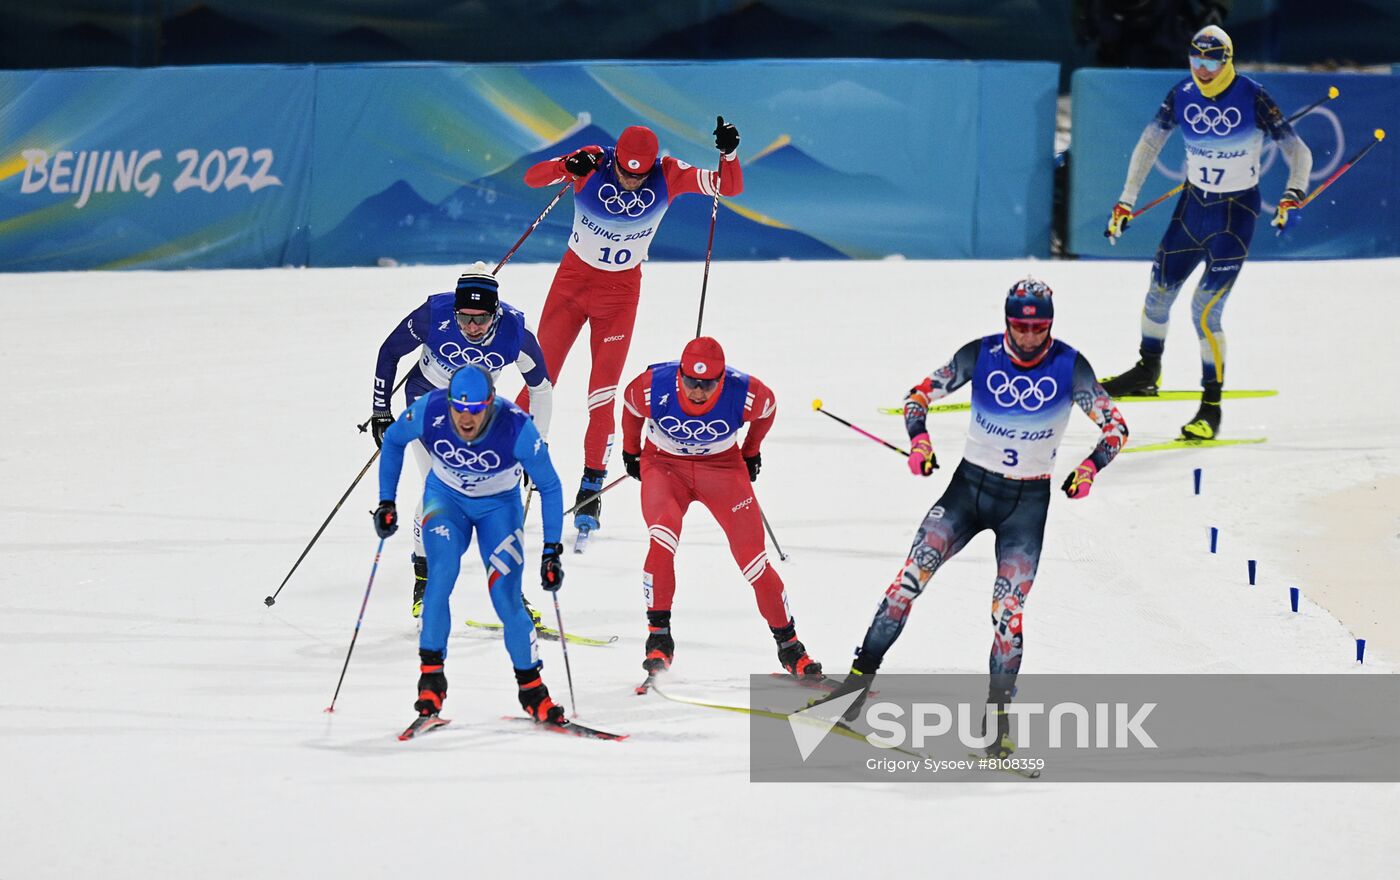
x=1208 y=64
x=479 y=320
x=470 y=406
x=701 y=384
x=1036 y=326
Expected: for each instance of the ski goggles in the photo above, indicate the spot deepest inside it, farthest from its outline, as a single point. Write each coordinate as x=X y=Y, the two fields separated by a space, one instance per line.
x=1208 y=64
x=695 y=384
x=482 y=320
x=1038 y=325
x=470 y=406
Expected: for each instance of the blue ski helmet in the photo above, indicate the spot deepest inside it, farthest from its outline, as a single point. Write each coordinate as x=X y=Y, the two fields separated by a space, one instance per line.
x=471 y=389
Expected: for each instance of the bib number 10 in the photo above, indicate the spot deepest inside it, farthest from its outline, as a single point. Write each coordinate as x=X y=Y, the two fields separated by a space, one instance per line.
x=619 y=258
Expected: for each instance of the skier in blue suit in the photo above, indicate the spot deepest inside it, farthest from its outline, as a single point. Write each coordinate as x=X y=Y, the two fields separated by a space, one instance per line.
x=479 y=445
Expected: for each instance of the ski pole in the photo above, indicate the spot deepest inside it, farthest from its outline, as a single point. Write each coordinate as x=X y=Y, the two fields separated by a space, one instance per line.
x=1378 y=134
x=564 y=644
x=589 y=500
x=538 y=220
x=774 y=538
x=334 y=510
x=359 y=620
x=709 y=248
x=1332 y=92
x=817 y=405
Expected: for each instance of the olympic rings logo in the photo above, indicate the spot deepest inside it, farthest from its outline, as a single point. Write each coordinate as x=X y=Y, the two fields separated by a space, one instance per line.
x=694 y=429
x=620 y=201
x=459 y=356
x=1211 y=119
x=1021 y=391
x=460 y=458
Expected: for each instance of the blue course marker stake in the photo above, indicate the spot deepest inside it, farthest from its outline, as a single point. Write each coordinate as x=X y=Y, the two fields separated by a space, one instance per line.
x=1214 y=534
x=1293 y=598
x=1251 y=572
x=1360 y=650
x=1196 y=474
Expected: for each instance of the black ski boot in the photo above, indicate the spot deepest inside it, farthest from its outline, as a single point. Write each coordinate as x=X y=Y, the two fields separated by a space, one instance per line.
x=858 y=680
x=661 y=649
x=1140 y=379
x=1002 y=747
x=432 y=683
x=1206 y=424
x=534 y=697
x=793 y=654
x=589 y=516
x=420 y=583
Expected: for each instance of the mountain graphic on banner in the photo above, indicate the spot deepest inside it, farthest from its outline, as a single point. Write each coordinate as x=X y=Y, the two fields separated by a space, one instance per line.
x=483 y=218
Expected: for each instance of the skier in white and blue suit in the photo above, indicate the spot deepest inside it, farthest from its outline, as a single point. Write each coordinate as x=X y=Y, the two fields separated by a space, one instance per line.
x=1223 y=119
x=479 y=444
x=470 y=325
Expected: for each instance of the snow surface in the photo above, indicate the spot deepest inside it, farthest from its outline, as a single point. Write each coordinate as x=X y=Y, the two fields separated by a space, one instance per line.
x=173 y=440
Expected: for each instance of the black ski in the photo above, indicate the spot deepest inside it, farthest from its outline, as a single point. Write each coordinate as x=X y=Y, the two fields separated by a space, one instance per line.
x=570 y=727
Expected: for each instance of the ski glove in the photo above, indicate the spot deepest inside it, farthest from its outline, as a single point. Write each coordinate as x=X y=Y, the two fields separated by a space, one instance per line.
x=1291 y=201
x=726 y=136
x=379 y=422
x=632 y=462
x=552 y=567
x=581 y=162
x=1118 y=221
x=754 y=463
x=922 y=461
x=1081 y=480
x=386 y=519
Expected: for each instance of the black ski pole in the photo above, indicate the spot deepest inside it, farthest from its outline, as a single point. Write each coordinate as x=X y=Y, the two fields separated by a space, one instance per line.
x=273 y=598
x=589 y=500
x=773 y=537
x=359 y=620
x=564 y=644
x=709 y=248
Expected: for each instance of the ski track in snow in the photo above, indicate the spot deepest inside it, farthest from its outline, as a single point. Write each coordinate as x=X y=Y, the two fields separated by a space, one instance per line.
x=175 y=438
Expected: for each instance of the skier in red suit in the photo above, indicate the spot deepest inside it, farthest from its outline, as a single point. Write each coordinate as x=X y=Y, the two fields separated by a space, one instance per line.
x=620 y=196
x=693 y=410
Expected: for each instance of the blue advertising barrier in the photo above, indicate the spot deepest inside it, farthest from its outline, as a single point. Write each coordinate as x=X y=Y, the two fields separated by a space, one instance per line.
x=178 y=167
x=362 y=164
x=1355 y=217
x=859 y=159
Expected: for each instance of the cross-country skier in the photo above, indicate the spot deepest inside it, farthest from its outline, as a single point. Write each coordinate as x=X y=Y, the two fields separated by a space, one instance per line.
x=451 y=330
x=478 y=444
x=693 y=410
x=1024 y=384
x=1223 y=118
x=620 y=195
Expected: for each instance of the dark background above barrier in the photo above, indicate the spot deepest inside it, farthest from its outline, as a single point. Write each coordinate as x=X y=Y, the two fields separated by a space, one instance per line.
x=87 y=33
